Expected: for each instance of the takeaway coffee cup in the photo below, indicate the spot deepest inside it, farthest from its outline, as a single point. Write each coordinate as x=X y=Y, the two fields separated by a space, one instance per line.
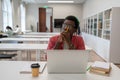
x=35 y=69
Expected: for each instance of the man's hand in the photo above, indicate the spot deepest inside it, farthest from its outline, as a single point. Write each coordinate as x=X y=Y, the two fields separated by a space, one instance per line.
x=68 y=39
x=65 y=36
x=59 y=41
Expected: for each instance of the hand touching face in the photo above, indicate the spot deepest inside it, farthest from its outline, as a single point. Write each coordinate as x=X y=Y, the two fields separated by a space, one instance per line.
x=68 y=30
x=66 y=35
x=68 y=26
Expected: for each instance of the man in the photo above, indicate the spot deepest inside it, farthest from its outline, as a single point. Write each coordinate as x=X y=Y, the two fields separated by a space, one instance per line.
x=67 y=39
x=9 y=31
x=17 y=30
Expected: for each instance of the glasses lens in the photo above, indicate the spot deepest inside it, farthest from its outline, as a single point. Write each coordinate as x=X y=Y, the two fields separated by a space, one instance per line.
x=68 y=25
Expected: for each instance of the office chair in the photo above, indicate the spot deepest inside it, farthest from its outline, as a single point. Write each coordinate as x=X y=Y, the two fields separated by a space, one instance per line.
x=8 y=54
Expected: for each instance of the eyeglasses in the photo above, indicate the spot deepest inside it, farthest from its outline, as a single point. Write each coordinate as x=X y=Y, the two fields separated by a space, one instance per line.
x=68 y=25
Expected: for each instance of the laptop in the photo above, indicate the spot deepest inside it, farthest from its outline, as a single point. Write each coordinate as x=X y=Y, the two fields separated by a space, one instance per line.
x=67 y=61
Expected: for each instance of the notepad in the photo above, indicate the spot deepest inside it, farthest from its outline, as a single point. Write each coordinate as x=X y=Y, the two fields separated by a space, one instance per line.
x=100 y=68
x=26 y=68
x=103 y=66
x=100 y=64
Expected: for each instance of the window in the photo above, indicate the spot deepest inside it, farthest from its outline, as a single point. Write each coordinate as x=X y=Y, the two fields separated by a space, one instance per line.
x=7 y=13
x=22 y=17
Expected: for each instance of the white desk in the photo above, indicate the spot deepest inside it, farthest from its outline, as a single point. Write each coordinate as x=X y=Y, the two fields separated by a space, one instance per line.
x=42 y=33
x=34 y=36
x=27 y=31
x=36 y=47
x=86 y=47
x=10 y=70
x=23 y=46
x=38 y=40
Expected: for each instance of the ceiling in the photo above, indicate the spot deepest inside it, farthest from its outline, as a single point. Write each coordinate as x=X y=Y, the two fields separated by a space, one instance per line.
x=46 y=1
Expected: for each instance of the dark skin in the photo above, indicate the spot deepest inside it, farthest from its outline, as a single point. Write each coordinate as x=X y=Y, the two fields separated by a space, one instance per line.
x=66 y=35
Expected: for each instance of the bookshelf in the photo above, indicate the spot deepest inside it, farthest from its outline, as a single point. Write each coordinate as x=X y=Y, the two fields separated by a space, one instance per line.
x=99 y=25
x=107 y=24
x=103 y=35
x=95 y=25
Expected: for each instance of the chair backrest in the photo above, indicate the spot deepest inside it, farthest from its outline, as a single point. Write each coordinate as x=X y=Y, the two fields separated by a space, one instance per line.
x=11 y=54
x=10 y=42
x=7 y=56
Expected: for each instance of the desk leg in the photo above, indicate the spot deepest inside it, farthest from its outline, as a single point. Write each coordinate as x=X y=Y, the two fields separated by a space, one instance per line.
x=37 y=55
x=19 y=56
x=43 y=55
x=28 y=55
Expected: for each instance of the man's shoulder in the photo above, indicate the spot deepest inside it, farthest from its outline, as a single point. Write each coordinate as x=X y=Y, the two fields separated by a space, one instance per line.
x=55 y=37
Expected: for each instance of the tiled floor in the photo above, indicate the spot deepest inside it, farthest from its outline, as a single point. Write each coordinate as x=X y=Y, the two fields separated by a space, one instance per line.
x=93 y=57
x=118 y=65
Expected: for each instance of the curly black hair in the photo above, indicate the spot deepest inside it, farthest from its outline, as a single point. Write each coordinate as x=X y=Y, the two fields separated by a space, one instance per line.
x=73 y=18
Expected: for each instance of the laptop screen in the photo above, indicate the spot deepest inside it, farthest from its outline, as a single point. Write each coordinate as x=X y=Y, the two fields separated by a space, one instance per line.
x=67 y=61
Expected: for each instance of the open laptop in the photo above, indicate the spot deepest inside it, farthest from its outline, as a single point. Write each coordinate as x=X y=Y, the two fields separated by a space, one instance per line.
x=67 y=61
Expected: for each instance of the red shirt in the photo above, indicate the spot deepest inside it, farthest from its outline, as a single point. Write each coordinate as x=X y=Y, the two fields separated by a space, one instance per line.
x=77 y=41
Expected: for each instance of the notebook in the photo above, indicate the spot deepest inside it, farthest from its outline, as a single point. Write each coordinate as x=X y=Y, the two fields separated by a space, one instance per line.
x=101 y=66
x=67 y=61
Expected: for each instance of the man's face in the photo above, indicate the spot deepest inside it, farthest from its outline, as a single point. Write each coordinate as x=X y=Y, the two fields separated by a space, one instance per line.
x=68 y=24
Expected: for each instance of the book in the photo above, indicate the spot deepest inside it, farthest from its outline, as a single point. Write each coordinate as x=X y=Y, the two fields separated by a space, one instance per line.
x=100 y=67
x=99 y=72
x=26 y=69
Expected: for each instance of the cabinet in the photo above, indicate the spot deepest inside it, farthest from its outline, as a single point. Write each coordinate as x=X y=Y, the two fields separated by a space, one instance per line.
x=99 y=25
x=101 y=32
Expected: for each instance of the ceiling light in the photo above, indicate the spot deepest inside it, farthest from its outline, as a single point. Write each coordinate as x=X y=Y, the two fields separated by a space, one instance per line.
x=60 y=1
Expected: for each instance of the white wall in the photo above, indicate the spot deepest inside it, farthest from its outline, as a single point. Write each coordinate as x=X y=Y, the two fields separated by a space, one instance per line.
x=48 y=21
x=59 y=11
x=99 y=45
x=16 y=12
x=90 y=8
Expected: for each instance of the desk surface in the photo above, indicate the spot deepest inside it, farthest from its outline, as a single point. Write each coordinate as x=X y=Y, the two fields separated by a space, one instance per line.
x=42 y=33
x=10 y=70
x=34 y=36
x=23 y=46
x=8 y=46
x=24 y=39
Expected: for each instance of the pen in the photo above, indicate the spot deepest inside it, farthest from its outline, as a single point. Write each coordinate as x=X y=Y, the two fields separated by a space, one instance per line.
x=88 y=68
x=66 y=29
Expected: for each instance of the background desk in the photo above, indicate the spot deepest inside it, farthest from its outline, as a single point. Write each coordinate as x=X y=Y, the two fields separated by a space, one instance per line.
x=10 y=70
x=36 y=47
x=42 y=33
x=34 y=36
x=36 y=40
